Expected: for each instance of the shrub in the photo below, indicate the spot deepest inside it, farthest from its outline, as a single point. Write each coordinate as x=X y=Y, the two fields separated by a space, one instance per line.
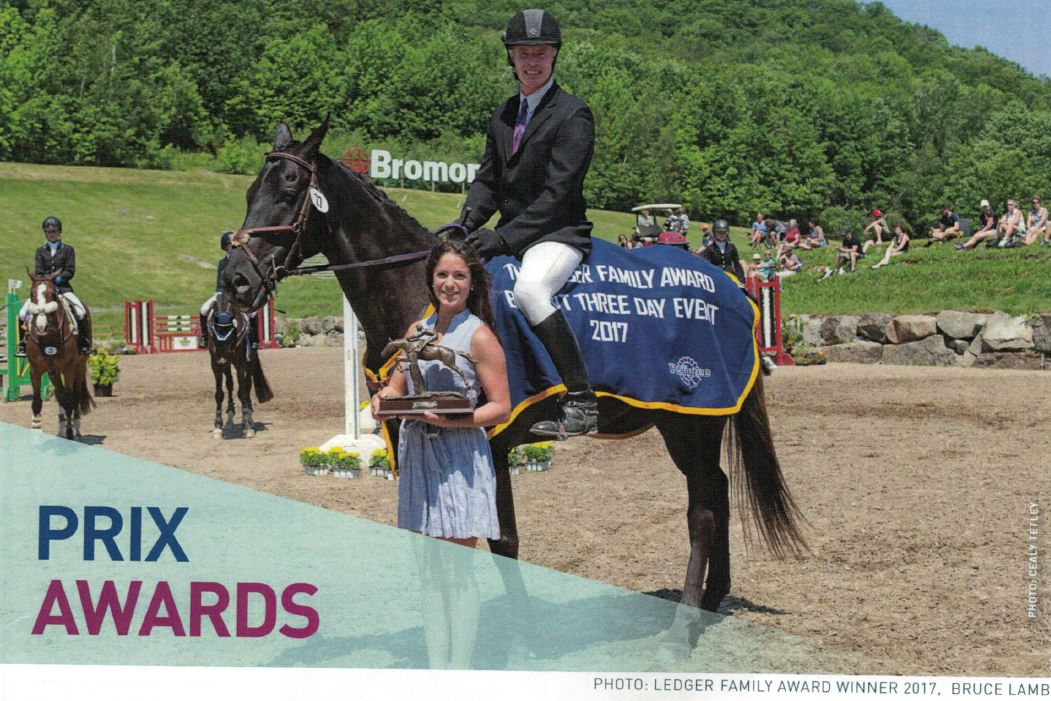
x=337 y=458
x=515 y=457
x=312 y=457
x=538 y=452
x=104 y=367
x=379 y=459
x=291 y=335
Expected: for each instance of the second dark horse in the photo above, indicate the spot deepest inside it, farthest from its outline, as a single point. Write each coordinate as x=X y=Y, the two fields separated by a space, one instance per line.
x=229 y=350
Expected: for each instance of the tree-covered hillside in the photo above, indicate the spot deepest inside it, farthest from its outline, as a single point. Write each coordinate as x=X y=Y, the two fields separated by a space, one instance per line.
x=795 y=107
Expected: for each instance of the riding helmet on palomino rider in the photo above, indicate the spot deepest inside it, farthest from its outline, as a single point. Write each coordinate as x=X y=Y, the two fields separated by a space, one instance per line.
x=59 y=259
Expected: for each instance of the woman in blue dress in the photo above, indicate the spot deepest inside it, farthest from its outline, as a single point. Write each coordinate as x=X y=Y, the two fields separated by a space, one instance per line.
x=447 y=487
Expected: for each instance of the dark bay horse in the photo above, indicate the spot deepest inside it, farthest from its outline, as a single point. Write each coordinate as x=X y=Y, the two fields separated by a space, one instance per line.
x=229 y=350
x=351 y=222
x=51 y=347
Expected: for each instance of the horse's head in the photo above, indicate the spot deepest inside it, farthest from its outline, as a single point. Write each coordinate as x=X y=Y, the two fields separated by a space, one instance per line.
x=43 y=301
x=278 y=215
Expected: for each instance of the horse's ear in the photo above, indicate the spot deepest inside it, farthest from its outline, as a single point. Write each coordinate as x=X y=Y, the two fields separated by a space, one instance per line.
x=312 y=145
x=282 y=137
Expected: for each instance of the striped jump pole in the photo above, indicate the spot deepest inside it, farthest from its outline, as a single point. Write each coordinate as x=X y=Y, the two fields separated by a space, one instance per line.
x=768 y=292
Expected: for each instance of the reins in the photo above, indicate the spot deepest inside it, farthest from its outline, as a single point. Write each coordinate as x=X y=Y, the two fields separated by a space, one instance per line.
x=298 y=227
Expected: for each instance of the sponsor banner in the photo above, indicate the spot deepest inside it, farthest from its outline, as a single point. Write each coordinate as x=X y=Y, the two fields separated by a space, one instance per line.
x=379 y=164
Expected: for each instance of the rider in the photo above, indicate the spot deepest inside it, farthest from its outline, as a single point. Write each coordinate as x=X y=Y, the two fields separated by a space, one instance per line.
x=721 y=252
x=537 y=152
x=58 y=258
x=225 y=239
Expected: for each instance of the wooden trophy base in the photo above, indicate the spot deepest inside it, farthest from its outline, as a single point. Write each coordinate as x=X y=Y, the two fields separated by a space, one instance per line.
x=419 y=404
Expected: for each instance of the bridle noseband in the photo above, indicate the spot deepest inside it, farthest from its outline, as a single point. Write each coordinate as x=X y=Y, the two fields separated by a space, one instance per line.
x=298 y=227
x=242 y=236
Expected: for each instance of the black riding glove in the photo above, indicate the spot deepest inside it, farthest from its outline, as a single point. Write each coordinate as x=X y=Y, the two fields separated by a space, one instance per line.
x=487 y=243
x=453 y=230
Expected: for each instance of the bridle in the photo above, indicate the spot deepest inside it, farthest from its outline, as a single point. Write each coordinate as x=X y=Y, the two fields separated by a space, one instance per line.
x=298 y=228
x=51 y=307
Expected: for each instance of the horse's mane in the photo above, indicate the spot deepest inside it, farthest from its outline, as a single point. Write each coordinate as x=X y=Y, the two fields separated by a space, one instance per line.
x=381 y=197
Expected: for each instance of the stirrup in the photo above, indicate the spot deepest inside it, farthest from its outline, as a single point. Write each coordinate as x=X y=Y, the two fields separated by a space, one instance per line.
x=20 y=349
x=579 y=417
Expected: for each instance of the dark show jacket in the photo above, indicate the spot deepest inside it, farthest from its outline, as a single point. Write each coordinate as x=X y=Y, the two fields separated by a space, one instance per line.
x=729 y=261
x=539 y=191
x=64 y=262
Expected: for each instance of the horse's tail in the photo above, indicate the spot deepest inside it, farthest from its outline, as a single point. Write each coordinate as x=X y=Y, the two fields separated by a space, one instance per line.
x=757 y=478
x=262 y=388
x=85 y=402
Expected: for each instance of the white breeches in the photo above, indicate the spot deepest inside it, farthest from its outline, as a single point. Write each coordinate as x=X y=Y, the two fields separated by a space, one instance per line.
x=545 y=269
x=207 y=306
x=71 y=300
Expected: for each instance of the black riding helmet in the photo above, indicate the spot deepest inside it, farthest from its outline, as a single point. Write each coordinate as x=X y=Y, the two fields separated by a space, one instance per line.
x=52 y=223
x=226 y=239
x=532 y=28
x=720 y=225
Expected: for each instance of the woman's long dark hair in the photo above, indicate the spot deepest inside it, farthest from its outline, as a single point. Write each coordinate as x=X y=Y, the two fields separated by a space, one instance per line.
x=479 y=300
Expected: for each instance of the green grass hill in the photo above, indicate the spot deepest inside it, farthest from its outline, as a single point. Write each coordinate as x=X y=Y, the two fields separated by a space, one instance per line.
x=144 y=234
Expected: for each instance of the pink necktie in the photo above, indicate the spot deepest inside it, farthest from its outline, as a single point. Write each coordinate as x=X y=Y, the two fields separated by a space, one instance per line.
x=520 y=125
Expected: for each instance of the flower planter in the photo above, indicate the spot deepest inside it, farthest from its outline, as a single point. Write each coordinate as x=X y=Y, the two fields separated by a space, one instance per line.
x=384 y=472
x=537 y=466
x=103 y=390
x=315 y=471
x=347 y=473
x=513 y=469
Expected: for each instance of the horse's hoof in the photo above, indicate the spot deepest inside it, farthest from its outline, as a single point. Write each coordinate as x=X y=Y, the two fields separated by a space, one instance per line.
x=249 y=433
x=217 y=433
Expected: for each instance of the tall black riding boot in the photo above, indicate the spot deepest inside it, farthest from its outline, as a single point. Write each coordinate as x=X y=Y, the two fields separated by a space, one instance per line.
x=20 y=350
x=253 y=333
x=579 y=408
x=84 y=334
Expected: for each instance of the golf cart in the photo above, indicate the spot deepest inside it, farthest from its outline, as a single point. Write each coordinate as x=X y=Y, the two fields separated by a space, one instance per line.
x=650 y=231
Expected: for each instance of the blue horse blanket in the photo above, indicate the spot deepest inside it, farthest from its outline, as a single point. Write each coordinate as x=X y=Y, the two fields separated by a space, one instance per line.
x=658 y=327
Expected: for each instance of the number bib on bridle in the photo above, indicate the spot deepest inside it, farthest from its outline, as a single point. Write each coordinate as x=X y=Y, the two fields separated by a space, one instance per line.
x=659 y=328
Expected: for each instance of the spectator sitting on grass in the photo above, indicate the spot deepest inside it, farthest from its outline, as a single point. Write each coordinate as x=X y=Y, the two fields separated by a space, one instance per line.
x=1012 y=227
x=986 y=230
x=758 y=230
x=792 y=235
x=878 y=227
x=790 y=262
x=898 y=245
x=815 y=237
x=848 y=251
x=1036 y=222
x=948 y=227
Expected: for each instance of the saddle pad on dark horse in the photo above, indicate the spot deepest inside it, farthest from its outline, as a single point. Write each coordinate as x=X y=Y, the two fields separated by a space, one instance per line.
x=659 y=328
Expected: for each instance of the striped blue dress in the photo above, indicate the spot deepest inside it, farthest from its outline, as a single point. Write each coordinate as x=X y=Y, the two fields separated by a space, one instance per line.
x=446 y=484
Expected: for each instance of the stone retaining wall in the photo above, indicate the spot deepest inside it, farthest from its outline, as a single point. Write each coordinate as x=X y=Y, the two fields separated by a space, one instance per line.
x=965 y=339
x=951 y=338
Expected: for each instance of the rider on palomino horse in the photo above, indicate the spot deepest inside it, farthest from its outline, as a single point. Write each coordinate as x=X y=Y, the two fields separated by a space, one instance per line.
x=59 y=259
x=206 y=309
x=537 y=152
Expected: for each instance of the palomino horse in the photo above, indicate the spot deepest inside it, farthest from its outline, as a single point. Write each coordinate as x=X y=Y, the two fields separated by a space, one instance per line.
x=229 y=349
x=302 y=203
x=51 y=347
